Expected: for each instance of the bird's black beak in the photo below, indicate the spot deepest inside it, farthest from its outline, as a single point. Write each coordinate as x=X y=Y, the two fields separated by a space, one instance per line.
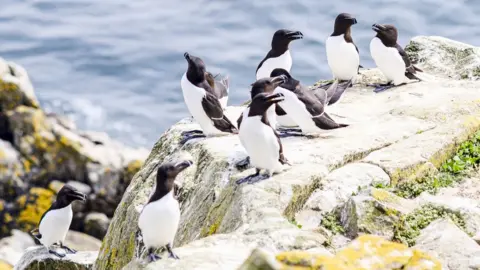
x=275 y=98
x=77 y=195
x=293 y=35
x=353 y=21
x=187 y=56
x=182 y=165
x=378 y=27
x=279 y=80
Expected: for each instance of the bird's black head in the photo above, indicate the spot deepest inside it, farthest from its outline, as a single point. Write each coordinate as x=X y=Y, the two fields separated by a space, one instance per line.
x=266 y=85
x=196 y=68
x=168 y=171
x=343 y=22
x=282 y=38
x=387 y=33
x=262 y=102
x=290 y=82
x=68 y=194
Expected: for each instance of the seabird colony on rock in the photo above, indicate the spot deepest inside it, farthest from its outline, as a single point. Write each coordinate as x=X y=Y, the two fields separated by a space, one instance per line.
x=280 y=107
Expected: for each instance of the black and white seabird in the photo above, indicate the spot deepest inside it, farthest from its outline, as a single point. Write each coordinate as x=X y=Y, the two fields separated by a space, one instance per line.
x=220 y=87
x=260 y=139
x=55 y=222
x=390 y=58
x=278 y=57
x=203 y=102
x=306 y=107
x=159 y=218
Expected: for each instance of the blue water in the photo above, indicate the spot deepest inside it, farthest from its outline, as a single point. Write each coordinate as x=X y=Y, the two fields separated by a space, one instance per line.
x=116 y=65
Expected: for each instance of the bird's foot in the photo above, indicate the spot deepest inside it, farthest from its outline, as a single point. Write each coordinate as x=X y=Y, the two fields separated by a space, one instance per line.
x=170 y=252
x=289 y=130
x=60 y=255
x=187 y=138
x=380 y=87
x=190 y=132
x=69 y=250
x=243 y=164
x=252 y=178
x=152 y=257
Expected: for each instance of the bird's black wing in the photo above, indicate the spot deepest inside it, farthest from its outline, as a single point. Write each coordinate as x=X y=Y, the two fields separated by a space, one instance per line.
x=279 y=111
x=281 y=158
x=410 y=68
x=326 y=122
x=239 y=120
x=313 y=104
x=220 y=88
x=214 y=111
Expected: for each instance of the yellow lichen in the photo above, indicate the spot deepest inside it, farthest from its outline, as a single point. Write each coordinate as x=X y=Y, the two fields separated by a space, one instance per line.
x=384 y=196
x=5 y=266
x=33 y=205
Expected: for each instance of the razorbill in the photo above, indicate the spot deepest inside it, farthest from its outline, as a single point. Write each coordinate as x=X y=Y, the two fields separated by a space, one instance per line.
x=260 y=139
x=55 y=222
x=203 y=102
x=221 y=87
x=278 y=57
x=306 y=107
x=390 y=58
x=263 y=85
x=342 y=53
x=159 y=218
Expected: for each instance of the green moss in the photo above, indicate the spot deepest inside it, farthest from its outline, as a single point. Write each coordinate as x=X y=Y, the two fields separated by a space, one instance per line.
x=467 y=156
x=294 y=222
x=300 y=197
x=431 y=184
x=331 y=222
x=408 y=228
x=412 y=49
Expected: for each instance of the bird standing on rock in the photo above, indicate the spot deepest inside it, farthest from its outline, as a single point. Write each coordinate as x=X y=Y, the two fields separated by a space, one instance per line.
x=390 y=58
x=342 y=53
x=278 y=57
x=203 y=102
x=260 y=139
x=306 y=107
x=159 y=218
x=55 y=222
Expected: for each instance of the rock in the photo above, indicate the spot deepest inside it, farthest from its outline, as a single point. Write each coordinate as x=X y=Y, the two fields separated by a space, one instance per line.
x=337 y=187
x=454 y=248
x=11 y=171
x=96 y=224
x=82 y=242
x=38 y=258
x=12 y=247
x=476 y=238
x=396 y=136
x=366 y=252
x=15 y=87
x=374 y=211
x=445 y=58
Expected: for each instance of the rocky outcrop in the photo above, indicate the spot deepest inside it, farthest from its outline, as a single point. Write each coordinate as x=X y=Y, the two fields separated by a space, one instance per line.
x=39 y=152
x=38 y=258
x=12 y=247
x=361 y=179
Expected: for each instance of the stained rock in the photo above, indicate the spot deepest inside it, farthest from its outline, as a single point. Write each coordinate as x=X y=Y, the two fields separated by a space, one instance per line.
x=454 y=248
x=38 y=258
x=96 y=224
x=11 y=171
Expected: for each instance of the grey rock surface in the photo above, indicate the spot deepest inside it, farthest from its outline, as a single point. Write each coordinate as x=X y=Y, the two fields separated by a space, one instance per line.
x=38 y=258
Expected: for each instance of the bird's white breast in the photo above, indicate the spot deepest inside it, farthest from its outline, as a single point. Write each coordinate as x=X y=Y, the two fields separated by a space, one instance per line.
x=159 y=221
x=283 y=61
x=297 y=110
x=389 y=61
x=342 y=57
x=55 y=224
x=261 y=143
x=193 y=96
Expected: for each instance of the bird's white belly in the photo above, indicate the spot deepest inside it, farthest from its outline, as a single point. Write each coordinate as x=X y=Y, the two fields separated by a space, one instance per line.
x=261 y=143
x=297 y=111
x=286 y=121
x=223 y=101
x=193 y=99
x=159 y=221
x=55 y=224
x=389 y=61
x=283 y=61
x=342 y=57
